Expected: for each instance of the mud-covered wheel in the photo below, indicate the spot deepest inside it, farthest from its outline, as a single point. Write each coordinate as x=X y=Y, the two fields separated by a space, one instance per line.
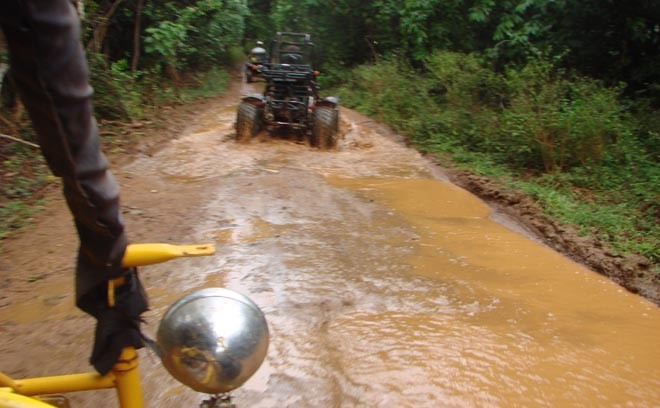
x=248 y=76
x=248 y=122
x=324 y=131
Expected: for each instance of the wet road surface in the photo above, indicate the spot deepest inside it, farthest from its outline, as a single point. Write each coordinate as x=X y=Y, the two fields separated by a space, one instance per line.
x=382 y=285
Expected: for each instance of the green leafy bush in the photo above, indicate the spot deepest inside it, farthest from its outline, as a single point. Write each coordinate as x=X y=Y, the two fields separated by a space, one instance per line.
x=127 y=83
x=198 y=36
x=108 y=95
x=390 y=91
x=564 y=121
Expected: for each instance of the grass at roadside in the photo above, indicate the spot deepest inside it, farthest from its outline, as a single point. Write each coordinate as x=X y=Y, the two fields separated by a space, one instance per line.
x=207 y=85
x=615 y=217
x=24 y=174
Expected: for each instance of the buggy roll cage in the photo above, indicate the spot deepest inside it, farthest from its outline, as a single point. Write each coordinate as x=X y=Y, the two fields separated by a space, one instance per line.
x=290 y=80
x=292 y=49
x=291 y=95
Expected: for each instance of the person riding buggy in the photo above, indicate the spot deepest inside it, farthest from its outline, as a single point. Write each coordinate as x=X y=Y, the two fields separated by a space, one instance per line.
x=253 y=66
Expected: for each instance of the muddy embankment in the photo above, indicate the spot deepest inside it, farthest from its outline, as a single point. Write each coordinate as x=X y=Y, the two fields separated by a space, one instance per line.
x=633 y=272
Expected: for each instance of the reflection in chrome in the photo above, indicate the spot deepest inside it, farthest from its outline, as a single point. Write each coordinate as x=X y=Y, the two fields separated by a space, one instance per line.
x=213 y=340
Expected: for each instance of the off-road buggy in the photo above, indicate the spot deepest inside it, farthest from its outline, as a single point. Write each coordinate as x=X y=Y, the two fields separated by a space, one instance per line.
x=291 y=96
x=254 y=63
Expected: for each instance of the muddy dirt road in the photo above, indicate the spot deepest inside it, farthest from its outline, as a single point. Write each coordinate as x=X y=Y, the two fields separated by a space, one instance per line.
x=382 y=284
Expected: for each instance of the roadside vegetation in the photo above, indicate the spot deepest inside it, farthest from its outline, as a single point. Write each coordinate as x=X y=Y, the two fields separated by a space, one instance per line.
x=566 y=140
x=554 y=99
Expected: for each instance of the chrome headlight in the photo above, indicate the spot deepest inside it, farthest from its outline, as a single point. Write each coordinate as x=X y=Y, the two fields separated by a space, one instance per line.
x=213 y=340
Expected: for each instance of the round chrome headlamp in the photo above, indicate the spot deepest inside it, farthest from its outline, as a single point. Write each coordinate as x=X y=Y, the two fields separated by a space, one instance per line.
x=213 y=340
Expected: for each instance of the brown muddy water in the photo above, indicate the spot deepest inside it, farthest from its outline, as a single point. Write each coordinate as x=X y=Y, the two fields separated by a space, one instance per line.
x=382 y=285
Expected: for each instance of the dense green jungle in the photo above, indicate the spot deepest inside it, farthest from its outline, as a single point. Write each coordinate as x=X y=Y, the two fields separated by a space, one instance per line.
x=557 y=100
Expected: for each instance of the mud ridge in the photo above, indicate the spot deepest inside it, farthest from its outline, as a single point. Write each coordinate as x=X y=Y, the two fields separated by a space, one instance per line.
x=633 y=272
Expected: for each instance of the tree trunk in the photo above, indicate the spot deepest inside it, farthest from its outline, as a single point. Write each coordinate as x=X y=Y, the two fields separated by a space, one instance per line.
x=101 y=29
x=136 y=36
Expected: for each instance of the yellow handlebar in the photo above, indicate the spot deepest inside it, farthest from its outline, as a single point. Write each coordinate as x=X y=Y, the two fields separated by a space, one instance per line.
x=148 y=254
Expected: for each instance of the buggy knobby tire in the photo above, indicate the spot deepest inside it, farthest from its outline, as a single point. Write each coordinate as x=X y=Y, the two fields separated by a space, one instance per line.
x=324 y=130
x=248 y=122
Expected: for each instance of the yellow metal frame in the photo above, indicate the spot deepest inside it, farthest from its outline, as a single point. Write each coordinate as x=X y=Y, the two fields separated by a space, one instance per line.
x=125 y=374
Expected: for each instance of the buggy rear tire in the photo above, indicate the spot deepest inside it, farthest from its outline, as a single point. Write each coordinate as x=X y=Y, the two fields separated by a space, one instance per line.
x=324 y=131
x=248 y=122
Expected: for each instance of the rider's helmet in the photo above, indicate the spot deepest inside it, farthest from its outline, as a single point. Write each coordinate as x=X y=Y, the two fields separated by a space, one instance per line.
x=213 y=340
x=258 y=53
